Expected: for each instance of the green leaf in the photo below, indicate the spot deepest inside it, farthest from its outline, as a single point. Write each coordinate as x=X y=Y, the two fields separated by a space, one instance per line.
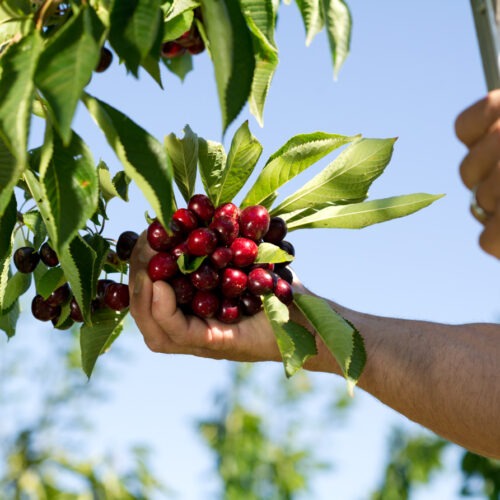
x=17 y=285
x=180 y=66
x=100 y=246
x=340 y=337
x=346 y=179
x=178 y=7
x=299 y=153
x=358 y=215
x=295 y=343
x=271 y=254
x=78 y=261
x=96 y=339
x=116 y=187
x=134 y=27
x=70 y=189
x=184 y=156
x=188 y=264
x=66 y=66
x=143 y=157
x=8 y=320
x=7 y=224
x=261 y=20
x=121 y=181
x=49 y=280
x=16 y=95
x=211 y=163
x=10 y=171
x=231 y=49
x=243 y=155
x=312 y=16
x=338 y=26
x=176 y=26
x=34 y=222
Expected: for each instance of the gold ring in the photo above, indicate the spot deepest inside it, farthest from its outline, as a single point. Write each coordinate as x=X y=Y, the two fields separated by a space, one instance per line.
x=476 y=210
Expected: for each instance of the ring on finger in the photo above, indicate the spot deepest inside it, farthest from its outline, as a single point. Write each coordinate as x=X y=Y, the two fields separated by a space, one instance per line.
x=477 y=210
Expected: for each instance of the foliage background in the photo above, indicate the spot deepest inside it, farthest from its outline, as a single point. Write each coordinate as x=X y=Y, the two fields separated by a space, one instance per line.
x=411 y=70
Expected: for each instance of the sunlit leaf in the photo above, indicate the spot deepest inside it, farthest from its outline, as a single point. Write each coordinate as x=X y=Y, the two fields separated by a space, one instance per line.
x=359 y=215
x=271 y=254
x=296 y=155
x=7 y=224
x=211 y=164
x=312 y=16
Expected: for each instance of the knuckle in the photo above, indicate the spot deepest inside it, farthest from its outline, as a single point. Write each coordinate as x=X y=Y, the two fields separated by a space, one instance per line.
x=154 y=344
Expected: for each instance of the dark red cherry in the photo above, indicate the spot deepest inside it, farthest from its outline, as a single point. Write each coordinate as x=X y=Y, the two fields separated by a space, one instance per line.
x=162 y=266
x=42 y=310
x=48 y=255
x=205 y=277
x=260 y=281
x=202 y=207
x=233 y=282
x=197 y=48
x=283 y=290
x=125 y=244
x=251 y=304
x=276 y=232
x=180 y=249
x=26 y=259
x=254 y=222
x=285 y=273
x=185 y=220
x=201 y=241
x=221 y=257
x=159 y=239
x=169 y=50
x=244 y=252
x=183 y=289
x=205 y=304
x=117 y=296
x=227 y=210
x=229 y=310
x=105 y=60
x=59 y=295
x=74 y=311
x=226 y=229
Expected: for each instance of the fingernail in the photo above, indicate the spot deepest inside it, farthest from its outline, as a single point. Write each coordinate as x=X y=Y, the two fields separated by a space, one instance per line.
x=139 y=281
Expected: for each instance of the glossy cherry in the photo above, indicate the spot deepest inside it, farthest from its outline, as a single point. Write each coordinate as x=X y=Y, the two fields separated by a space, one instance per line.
x=42 y=310
x=125 y=244
x=48 y=255
x=221 y=257
x=233 y=282
x=117 y=296
x=229 y=310
x=183 y=289
x=260 y=281
x=251 y=304
x=185 y=220
x=244 y=252
x=159 y=239
x=162 y=266
x=283 y=290
x=276 y=232
x=205 y=277
x=74 y=311
x=205 y=304
x=227 y=210
x=201 y=241
x=26 y=259
x=254 y=222
x=226 y=228
x=202 y=207
x=105 y=60
x=59 y=295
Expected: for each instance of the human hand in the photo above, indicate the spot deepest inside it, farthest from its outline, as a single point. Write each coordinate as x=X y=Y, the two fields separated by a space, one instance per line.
x=166 y=329
x=478 y=127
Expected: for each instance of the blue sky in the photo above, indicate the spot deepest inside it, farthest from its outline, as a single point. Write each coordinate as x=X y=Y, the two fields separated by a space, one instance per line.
x=413 y=67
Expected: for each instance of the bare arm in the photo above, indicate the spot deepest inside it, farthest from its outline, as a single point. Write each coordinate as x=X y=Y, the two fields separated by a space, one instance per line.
x=443 y=377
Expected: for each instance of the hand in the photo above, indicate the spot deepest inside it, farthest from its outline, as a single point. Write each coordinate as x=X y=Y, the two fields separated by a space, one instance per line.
x=167 y=329
x=478 y=127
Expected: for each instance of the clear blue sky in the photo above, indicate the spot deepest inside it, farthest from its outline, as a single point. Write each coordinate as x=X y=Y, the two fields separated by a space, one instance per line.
x=413 y=67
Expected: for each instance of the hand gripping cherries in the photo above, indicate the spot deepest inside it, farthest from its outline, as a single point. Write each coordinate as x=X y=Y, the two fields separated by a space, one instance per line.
x=218 y=246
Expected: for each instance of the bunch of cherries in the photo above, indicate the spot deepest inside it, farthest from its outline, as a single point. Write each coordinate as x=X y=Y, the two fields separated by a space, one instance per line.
x=109 y=294
x=190 y=41
x=228 y=284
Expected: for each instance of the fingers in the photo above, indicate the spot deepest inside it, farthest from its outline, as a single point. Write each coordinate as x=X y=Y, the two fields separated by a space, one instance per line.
x=139 y=259
x=475 y=121
x=488 y=191
x=482 y=158
x=490 y=237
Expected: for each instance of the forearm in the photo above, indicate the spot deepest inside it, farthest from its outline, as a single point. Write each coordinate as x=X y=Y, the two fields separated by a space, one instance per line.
x=444 y=377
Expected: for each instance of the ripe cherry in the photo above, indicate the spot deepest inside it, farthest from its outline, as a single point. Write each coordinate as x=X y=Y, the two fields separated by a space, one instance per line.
x=221 y=257
x=180 y=249
x=276 y=232
x=202 y=207
x=162 y=266
x=125 y=244
x=48 y=255
x=59 y=295
x=43 y=311
x=287 y=247
x=244 y=252
x=205 y=304
x=183 y=289
x=251 y=304
x=228 y=210
x=170 y=50
x=260 y=281
x=226 y=229
x=205 y=277
x=26 y=259
x=117 y=296
x=197 y=48
x=105 y=60
x=159 y=239
x=229 y=310
x=283 y=290
x=185 y=220
x=201 y=241
x=254 y=222
x=233 y=282
x=74 y=311
x=285 y=273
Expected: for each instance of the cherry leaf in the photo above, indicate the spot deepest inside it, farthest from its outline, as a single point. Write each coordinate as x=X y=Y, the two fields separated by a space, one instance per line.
x=272 y=254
